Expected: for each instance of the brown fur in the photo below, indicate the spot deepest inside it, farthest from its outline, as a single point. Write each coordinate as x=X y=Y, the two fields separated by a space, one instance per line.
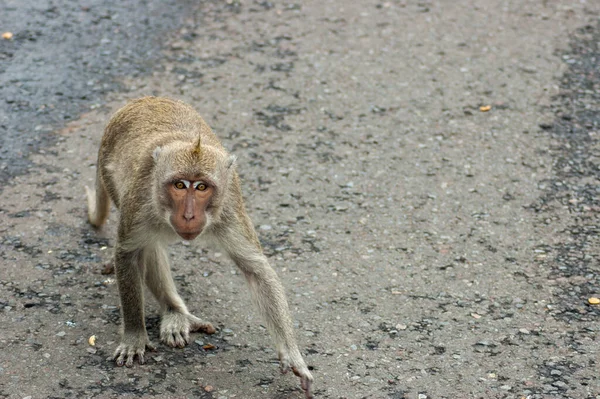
x=146 y=144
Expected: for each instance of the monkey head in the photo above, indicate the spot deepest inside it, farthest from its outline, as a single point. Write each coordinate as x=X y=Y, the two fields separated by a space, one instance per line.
x=189 y=178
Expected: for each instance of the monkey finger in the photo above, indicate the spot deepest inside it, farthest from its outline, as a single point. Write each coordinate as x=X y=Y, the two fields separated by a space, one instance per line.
x=150 y=346
x=140 y=354
x=305 y=383
x=179 y=340
x=121 y=360
x=130 y=356
x=120 y=354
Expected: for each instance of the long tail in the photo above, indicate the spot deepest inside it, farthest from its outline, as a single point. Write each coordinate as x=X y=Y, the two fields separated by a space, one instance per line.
x=98 y=203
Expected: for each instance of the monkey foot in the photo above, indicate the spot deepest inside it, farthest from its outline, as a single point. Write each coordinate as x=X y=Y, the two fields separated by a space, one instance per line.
x=132 y=345
x=175 y=328
x=293 y=361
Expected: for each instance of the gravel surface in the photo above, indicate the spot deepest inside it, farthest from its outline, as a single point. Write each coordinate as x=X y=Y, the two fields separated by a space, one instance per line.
x=430 y=246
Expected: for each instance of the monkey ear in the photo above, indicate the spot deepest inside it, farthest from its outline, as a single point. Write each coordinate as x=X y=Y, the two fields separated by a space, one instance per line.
x=231 y=162
x=156 y=153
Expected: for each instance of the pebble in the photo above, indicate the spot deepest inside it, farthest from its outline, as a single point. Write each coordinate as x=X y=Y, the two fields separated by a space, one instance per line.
x=422 y=396
x=355 y=378
x=555 y=372
x=524 y=331
x=506 y=387
x=559 y=384
x=61 y=334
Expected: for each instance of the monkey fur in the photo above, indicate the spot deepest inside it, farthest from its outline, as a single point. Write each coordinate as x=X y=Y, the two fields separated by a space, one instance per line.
x=170 y=177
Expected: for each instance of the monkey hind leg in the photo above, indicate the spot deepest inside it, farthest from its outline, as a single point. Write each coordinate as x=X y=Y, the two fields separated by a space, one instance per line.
x=98 y=203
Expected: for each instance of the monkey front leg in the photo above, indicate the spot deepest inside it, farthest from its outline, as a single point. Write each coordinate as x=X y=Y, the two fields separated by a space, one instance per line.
x=177 y=322
x=134 y=340
x=268 y=295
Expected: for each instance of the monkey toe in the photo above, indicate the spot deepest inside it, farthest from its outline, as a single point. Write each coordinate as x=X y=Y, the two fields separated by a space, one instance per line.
x=293 y=361
x=199 y=325
x=126 y=352
x=180 y=340
x=175 y=328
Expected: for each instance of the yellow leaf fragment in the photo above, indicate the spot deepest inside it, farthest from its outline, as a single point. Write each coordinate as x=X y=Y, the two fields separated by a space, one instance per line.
x=92 y=340
x=594 y=301
x=208 y=347
x=485 y=108
x=7 y=35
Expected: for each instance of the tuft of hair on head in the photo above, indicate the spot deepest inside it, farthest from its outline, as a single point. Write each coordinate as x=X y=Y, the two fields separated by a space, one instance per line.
x=198 y=147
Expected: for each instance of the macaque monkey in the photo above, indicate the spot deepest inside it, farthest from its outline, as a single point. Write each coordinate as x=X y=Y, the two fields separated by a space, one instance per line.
x=171 y=178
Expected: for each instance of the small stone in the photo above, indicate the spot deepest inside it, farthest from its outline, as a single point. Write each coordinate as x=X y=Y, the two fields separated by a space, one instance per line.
x=422 y=396
x=506 y=387
x=559 y=384
x=208 y=388
x=91 y=350
x=555 y=372
x=355 y=378
x=524 y=331
x=353 y=347
x=61 y=334
x=401 y=326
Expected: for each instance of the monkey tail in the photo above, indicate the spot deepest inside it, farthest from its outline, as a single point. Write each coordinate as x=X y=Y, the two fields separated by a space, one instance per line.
x=98 y=203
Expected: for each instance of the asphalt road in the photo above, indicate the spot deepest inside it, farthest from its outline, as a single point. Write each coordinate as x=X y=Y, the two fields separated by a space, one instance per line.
x=424 y=177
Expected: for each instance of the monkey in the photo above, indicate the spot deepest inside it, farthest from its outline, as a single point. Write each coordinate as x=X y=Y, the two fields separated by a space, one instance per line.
x=171 y=178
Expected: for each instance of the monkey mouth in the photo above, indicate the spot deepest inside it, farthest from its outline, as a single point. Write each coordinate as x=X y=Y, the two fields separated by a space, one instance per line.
x=189 y=236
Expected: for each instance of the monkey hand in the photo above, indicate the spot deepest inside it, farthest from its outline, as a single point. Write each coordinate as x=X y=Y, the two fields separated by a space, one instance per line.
x=292 y=360
x=175 y=328
x=132 y=344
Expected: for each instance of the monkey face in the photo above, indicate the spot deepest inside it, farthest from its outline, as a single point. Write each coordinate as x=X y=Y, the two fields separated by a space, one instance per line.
x=189 y=199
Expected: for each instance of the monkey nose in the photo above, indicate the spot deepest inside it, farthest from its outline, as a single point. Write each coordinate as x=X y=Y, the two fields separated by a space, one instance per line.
x=188 y=216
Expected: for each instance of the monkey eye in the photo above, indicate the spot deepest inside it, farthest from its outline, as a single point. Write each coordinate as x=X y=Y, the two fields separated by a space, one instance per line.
x=201 y=186
x=179 y=185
